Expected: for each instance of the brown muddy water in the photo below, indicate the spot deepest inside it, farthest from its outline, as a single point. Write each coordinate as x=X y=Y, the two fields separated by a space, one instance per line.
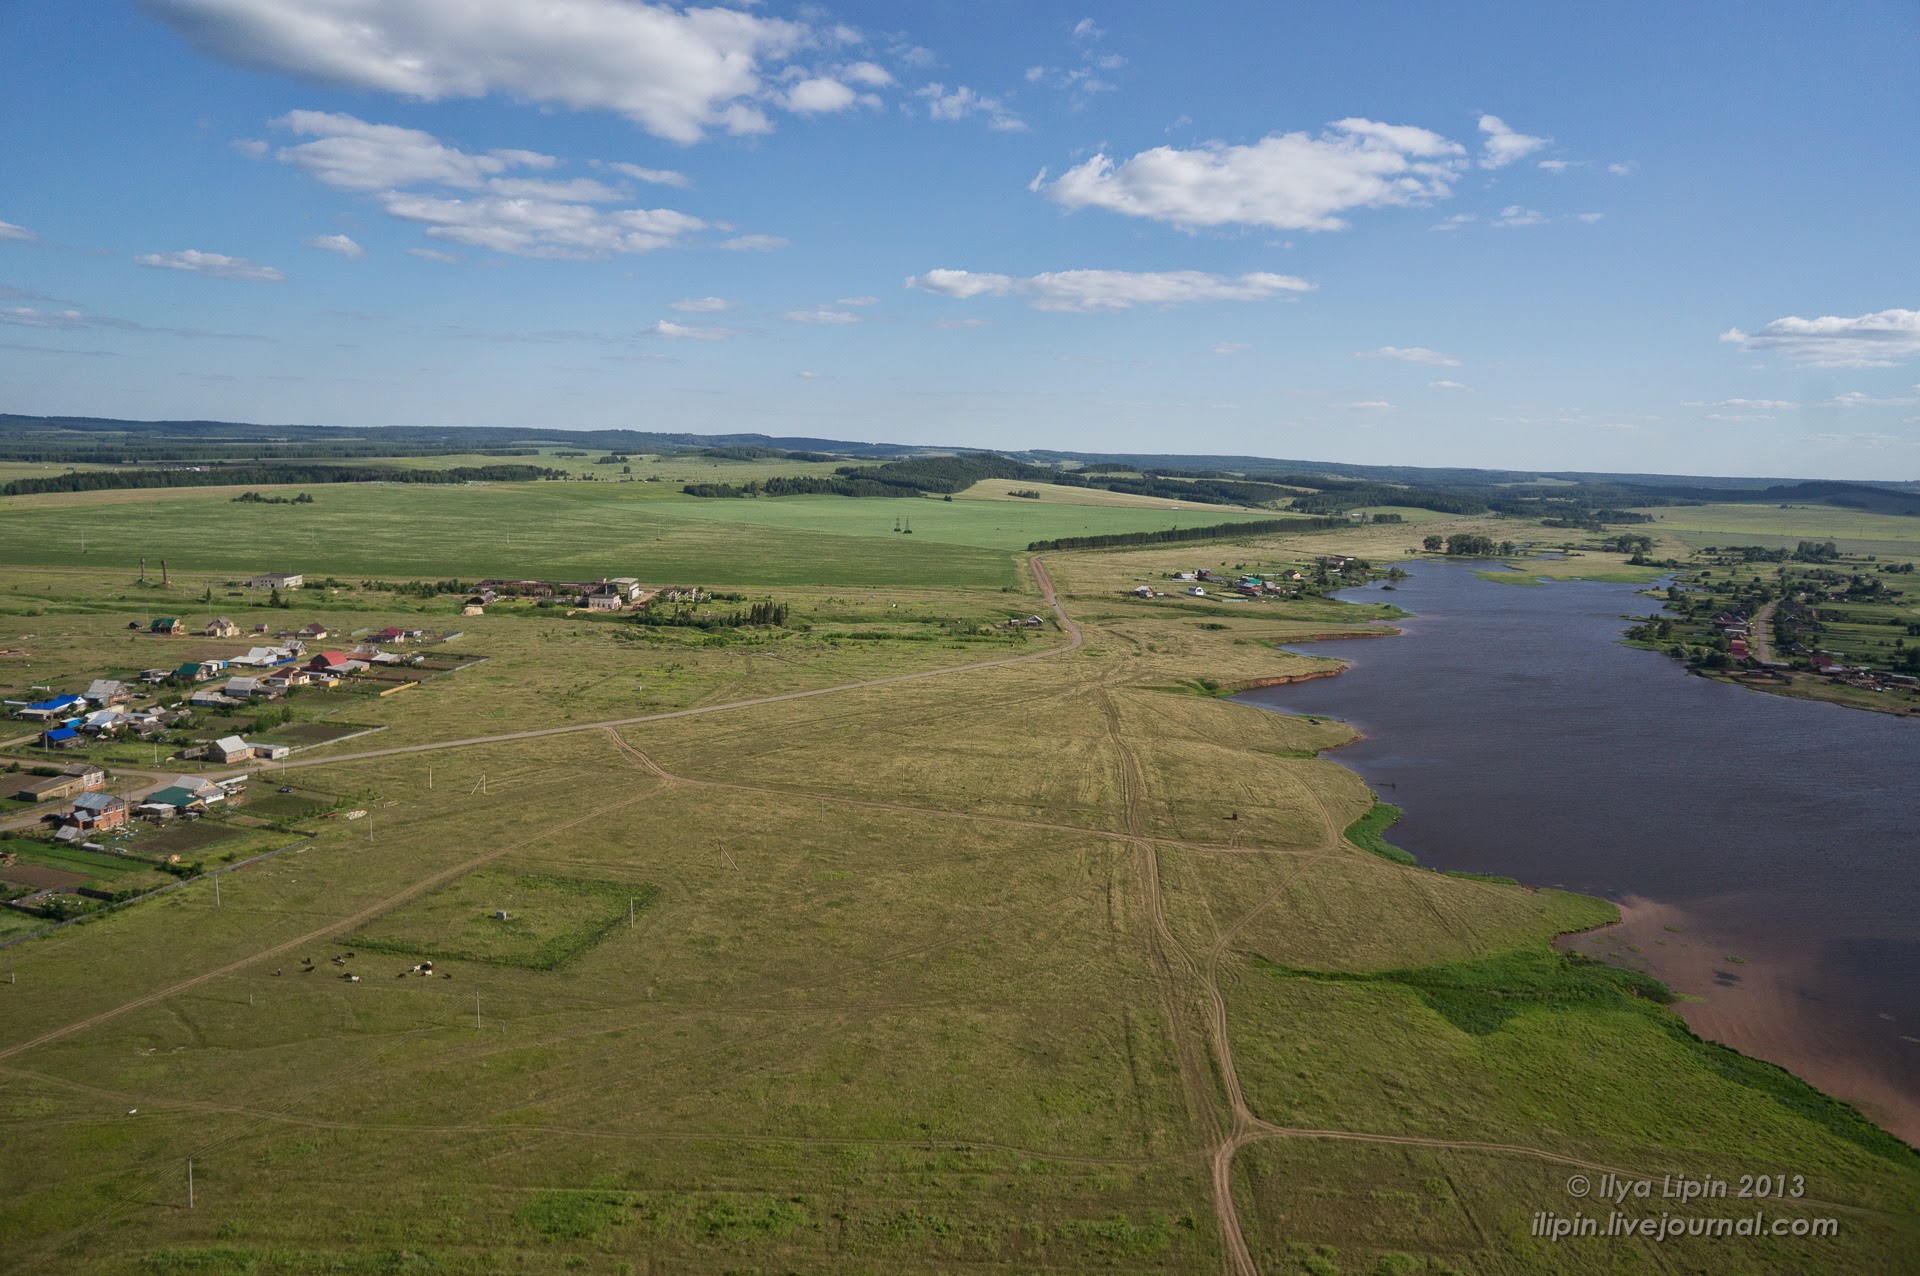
x=1765 y=851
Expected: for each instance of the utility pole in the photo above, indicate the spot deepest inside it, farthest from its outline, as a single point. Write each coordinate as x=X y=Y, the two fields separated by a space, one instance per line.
x=476 y=1012
x=189 y=1182
x=216 y=890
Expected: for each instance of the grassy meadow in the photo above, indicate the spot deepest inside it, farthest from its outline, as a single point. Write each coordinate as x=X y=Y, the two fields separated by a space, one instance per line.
x=556 y=529
x=984 y=971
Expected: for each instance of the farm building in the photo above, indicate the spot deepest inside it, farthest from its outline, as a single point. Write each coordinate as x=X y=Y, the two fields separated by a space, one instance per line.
x=166 y=625
x=328 y=662
x=60 y=737
x=605 y=598
x=93 y=811
x=81 y=777
x=209 y=698
x=199 y=670
x=311 y=633
x=221 y=627
x=245 y=688
x=277 y=580
x=230 y=749
x=272 y=752
x=103 y=722
x=51 y=709
x=106 y=691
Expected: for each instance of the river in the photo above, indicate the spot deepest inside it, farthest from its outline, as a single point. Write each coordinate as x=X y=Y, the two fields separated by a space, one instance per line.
x=1765 y=851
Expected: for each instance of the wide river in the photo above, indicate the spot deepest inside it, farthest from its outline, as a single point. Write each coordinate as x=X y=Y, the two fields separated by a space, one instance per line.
x=1765 y=851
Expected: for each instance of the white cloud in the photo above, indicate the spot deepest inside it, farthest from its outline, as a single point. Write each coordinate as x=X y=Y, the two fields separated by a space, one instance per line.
x=755 y=243
x=10 y=231
x=213 y=265
x=1857 y=399
x=1088 y=291
x=1086 y=30
x=1558 y=165
x=1448 y=385
x=656 y=176
x=867 y=73
x=341 y=244
x=541 y=228
x=1410 y=354
x=1503 y=146
x=819 y=95
x=963 y=323
x=251 y=147
x=352 y=154
x=701 y=305
x=33 y=317
x=1515 y=215
x=1286 y=181
x=1231 y=347
x=681 y=332
x=961 y=102
x=498 y=210
x=1623 y=170
x=676 y=73
x=434 y=254
x=1456 y=221
x=858 y=301
x=821 y=315
x=1754 y=405
x=1366 y=405
x=808 y=376
x=1589 y=218
x=1879 y=340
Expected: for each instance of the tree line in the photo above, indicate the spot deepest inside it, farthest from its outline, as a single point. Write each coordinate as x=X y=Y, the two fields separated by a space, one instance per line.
x=252 y=475
x=1216 y=531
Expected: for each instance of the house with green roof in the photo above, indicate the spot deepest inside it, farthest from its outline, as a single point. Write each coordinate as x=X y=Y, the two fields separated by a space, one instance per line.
x=166 y=625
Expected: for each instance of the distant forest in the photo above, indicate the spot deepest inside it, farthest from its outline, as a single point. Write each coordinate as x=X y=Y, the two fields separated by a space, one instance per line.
x=260 y=475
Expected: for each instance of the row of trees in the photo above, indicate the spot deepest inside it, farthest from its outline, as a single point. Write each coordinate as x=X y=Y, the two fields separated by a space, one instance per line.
x=250 y=475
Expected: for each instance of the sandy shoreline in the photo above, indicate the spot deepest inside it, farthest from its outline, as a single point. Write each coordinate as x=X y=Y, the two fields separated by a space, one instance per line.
x=1756 y=1005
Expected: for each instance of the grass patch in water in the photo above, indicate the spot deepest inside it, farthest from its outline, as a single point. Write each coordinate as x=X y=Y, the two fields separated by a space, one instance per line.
x=1368 y=832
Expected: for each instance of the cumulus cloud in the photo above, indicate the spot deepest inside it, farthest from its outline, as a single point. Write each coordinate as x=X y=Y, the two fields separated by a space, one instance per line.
x=821 y=315
x=960 y=102
x=655 y=176
x=483 y=199
x=341 y=244
x=1624 y=169
x=701 y=305
x=10 y=231
x=677 y=73
x=1410 y=354
x=1589 y=218
x=1879 y=340
x=1516 y=215
x=681 y=332
x=1085 y=29
x=213 y=265
x=819 y=95
x=1448 y=385
x=1089 y=291
x=755 y=243
x=1285 y=181
x=434 y=254
x=1503 y=146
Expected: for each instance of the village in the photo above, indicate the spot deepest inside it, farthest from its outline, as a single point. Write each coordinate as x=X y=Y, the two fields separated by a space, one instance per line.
x=1330 y=571
x=140 y=778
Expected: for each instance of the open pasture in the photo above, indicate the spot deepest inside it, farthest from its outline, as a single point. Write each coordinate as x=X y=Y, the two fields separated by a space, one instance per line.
x=566 y=530
x=965 y=973
x=1891 y=536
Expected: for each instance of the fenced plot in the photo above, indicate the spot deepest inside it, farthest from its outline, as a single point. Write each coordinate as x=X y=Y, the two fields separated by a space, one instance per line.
x=548 y=921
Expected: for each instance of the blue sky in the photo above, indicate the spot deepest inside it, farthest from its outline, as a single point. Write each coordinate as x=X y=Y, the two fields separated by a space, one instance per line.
x=1631 y=237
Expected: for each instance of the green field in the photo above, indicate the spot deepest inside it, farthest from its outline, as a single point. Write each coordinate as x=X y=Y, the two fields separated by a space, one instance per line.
x=557 y=530
x=964 y=973
x=1776 y=527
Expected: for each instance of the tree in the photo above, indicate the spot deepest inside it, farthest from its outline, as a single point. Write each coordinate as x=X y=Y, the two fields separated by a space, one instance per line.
x=1470 y=545
x=1431 y=542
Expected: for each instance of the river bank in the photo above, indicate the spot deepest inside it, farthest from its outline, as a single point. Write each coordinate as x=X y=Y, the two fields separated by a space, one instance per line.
x=1754 y=843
